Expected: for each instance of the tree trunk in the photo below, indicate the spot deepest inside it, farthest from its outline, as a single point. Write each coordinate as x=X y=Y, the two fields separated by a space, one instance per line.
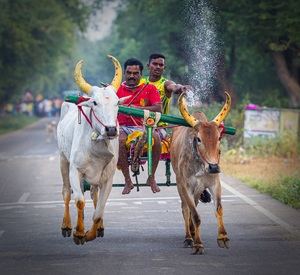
x=290 y=83
x=224 y=78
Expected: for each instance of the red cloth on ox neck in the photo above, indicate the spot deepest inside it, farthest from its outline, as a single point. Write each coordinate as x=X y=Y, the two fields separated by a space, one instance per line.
x=222 y=126
x=82 y=99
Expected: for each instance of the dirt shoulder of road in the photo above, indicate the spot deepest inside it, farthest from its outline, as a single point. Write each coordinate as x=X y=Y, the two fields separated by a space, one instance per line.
x=276 y=176
x=12 y=123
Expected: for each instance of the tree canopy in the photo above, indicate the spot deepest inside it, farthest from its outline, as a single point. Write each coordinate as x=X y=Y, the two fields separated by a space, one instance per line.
x=269 y=30
x=250 y=48
x=36 y=37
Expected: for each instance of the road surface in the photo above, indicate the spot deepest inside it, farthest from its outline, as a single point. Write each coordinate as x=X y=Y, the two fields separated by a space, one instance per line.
x=143 y=231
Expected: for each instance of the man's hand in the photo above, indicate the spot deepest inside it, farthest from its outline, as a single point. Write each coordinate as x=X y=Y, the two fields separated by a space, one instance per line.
x=154 y=108
x=182 y=88
x=172 y=87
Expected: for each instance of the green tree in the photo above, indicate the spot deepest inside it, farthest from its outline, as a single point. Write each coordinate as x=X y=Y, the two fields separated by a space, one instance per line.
x=246 y=47
x=36 y=38
x=271 y=27
x=144 y=27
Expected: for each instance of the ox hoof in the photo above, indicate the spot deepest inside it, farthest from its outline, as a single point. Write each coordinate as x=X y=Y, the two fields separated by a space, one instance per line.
x=79 y=239
x=223 y=243
x=198 y=249
x=188 y=243
x=100 y=232
x=66 y=232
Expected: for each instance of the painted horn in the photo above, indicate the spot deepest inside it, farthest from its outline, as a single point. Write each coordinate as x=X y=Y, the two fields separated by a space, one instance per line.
x=82 y=84
x=116 y=82
x=184 y=111
x=225 y=110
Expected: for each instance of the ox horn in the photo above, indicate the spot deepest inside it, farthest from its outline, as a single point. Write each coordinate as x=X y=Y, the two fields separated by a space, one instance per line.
x=225 y=110
x=116 y=82
x=82 y=84
x=184 y=111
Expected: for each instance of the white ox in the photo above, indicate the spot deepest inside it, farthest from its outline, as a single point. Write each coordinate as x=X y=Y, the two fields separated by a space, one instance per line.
x=195 y=155
x=83 y=157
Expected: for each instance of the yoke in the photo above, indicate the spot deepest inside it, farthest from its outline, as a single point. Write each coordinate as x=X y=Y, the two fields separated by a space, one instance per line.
x=150 y=120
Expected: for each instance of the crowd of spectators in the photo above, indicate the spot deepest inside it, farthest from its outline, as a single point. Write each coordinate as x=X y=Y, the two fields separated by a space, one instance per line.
x=34 y=106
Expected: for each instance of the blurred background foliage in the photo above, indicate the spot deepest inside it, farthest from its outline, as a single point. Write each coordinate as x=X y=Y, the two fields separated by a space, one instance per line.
x=251 y=47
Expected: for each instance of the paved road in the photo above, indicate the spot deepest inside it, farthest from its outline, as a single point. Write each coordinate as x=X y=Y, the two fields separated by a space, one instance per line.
x=144 y=231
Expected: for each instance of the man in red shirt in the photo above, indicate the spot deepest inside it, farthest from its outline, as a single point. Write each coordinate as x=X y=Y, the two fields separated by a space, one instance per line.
x=143 y=96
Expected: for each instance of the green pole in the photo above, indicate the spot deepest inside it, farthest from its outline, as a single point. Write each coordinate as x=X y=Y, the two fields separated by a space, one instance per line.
x=149 y=149
x=140 y=113
x=166 y=118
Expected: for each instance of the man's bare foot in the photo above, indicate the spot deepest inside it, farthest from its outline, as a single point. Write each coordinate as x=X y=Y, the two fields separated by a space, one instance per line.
x=127 y=188
x=154 y=187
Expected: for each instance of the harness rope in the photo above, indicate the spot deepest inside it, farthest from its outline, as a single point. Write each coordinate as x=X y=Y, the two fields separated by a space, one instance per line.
x=92 y=112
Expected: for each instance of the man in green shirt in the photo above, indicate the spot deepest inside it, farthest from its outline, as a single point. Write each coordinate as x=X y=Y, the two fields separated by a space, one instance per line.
x=166 y=87
x=156 y=66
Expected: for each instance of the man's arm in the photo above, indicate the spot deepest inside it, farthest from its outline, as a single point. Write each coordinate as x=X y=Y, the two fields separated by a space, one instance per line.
x=172 y=87
x=154 y=108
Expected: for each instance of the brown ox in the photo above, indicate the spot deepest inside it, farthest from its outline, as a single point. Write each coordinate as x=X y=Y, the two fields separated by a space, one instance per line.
x=195 y=154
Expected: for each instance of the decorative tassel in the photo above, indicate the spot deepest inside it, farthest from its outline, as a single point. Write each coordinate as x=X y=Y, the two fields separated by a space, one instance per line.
x=79 y=116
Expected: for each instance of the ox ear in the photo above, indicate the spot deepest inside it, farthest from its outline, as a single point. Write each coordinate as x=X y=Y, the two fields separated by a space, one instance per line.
x=225 y=110
x=90 y=102
x=191 y=120
x=82 y=84
x=116 y=82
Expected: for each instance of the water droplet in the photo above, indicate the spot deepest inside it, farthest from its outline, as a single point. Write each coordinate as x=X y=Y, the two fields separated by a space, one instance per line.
x=202 y=47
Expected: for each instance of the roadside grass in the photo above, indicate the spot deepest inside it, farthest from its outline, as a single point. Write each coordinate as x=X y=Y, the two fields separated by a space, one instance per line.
x=276 y=176
x=9 y=123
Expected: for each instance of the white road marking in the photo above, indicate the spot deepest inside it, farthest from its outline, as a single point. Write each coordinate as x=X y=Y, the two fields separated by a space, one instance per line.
x=162 y=202
x=111 y=203
x=44 y=206
x=145 y=199
x=123 y=201
x=261 y=209
x=11 y=207
x=24 y=197
x=87 y=201
x=1 y=233
x=8 y=158
x=160 y=211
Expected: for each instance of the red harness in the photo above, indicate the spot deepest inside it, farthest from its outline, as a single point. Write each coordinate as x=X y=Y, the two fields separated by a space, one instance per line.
x=92 y=113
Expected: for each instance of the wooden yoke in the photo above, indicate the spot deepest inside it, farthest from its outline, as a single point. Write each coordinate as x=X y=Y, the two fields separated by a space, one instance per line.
x=150 y=120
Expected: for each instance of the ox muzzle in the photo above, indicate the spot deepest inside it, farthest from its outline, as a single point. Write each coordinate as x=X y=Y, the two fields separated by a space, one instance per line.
x=111 y=131
x=213 y=168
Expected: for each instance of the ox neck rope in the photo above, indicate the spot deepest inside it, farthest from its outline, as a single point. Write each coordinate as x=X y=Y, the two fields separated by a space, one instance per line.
x=89 y=119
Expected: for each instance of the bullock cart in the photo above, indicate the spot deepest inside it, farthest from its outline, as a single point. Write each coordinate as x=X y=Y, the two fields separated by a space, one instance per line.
x=151 y=120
